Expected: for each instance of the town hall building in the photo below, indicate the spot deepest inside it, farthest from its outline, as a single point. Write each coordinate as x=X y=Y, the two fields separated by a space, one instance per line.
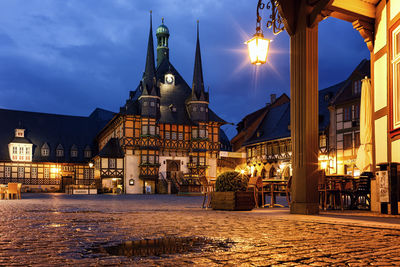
x=165 y=133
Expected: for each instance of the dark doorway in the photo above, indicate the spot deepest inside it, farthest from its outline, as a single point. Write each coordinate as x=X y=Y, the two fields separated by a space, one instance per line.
x=174 y=173
x=65 y=180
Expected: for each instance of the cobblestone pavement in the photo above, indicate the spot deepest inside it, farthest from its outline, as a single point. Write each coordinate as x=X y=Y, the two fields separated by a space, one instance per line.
x=57 y=229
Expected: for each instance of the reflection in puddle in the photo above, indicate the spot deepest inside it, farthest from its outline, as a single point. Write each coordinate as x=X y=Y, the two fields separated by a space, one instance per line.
x=165 y=245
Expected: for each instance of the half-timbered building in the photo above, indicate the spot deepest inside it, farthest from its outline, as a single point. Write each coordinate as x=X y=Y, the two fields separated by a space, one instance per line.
x=269 y=147
x=165 y=130
x=344 y=131
x=48 y=152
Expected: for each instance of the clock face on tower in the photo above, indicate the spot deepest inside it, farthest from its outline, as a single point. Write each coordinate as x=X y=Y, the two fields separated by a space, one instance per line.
x=169 y=79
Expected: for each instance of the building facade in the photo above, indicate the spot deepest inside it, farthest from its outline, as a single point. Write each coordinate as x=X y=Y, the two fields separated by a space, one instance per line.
x=48 y=152
x=267 y=138
x=165 y=131
x=344 y=131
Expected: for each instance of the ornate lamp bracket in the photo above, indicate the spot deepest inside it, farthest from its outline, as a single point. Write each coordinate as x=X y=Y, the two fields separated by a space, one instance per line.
x=275 y=22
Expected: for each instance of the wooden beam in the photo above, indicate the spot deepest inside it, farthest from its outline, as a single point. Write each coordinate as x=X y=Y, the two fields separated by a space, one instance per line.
x=316 y=14
x=367 y=32
x=359 y=7
x=287 y=11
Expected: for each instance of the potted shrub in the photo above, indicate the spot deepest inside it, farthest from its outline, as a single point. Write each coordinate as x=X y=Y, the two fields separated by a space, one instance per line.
x=230 y=192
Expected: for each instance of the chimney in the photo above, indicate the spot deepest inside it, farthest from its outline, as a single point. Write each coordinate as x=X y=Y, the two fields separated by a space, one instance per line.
x=273 y=98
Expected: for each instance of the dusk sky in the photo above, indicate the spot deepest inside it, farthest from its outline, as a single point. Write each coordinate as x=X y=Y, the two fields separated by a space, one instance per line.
x=71 y=56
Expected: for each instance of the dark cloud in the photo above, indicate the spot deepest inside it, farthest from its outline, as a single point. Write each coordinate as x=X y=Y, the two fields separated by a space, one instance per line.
x=69 y=57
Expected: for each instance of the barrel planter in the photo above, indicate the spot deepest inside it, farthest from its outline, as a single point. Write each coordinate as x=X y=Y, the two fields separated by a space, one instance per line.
x=232 y=200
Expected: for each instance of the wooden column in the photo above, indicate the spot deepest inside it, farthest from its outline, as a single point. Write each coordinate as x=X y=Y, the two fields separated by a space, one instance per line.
x=304 y=114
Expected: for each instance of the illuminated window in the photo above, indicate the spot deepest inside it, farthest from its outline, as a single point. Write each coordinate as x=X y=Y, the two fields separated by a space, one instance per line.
x=152 y=130
x=7 y=172
x=151 y=159
x=15 y=150
x=396 y=77
x=34 y=172
x=322 y=141
x=46 y=173
x=111 y=163
x=194 y=133
x=202 y=161
x=21 y=171
x=145 y=129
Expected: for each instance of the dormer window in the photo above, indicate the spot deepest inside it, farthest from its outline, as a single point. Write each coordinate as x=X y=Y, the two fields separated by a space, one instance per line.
x=20 y=148
x=59 y=151
x=74 y=151
x=357 y=87
x=45 y=150
x=152 y=104
x=88 y=152
x=201 y=109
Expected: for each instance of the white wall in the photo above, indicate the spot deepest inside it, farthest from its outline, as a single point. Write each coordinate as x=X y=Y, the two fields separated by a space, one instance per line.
x=132 y=171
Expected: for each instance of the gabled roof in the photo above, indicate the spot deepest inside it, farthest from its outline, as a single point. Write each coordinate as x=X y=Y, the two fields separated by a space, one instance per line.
x=275 y=124
x=112 y=149
x=42 y=128
x=345 y=93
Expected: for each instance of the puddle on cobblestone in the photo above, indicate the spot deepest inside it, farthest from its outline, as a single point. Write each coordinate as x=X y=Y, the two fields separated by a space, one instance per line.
x=164 y=246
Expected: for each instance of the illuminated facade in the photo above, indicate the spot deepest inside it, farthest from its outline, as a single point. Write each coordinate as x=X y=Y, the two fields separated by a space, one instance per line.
x=165 y=131
x=344 y=132
x=47 y=152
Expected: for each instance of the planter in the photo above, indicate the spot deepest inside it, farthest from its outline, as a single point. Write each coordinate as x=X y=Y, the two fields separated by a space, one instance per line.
x=232 y=200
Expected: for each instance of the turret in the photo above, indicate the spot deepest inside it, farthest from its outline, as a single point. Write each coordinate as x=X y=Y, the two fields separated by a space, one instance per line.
x=150 y=92
x=162 y=34
x=197 y=103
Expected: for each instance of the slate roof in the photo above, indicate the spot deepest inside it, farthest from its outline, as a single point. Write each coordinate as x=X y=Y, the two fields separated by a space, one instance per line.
x=52 y=129
x=224 y=140
x=112 y=149
x=175 y=96
x=275 y=124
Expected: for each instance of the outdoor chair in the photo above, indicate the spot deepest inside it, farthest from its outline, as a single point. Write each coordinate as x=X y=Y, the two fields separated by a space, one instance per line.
x=362 y=193
x=329 y=191
x=13 y=190
x=206 y=189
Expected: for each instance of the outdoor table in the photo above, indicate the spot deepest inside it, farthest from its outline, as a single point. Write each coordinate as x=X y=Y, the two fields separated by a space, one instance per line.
x=343 y=184
x=273 y=187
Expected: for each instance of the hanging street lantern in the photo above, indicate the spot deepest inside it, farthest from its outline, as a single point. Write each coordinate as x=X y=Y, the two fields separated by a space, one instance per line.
x=258 y=45
x=258 y=48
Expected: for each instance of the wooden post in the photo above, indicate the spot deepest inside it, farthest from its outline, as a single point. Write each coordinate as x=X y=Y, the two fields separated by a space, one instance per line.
x=304 y=114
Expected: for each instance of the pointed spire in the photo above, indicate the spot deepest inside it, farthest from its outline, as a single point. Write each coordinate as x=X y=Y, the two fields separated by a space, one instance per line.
x=150 y=69
x=198 y=84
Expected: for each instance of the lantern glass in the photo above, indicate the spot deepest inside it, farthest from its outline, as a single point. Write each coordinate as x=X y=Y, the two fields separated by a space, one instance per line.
x=258 y=49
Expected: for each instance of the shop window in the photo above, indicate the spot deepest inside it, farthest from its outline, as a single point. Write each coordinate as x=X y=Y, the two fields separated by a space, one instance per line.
x=46 y=173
